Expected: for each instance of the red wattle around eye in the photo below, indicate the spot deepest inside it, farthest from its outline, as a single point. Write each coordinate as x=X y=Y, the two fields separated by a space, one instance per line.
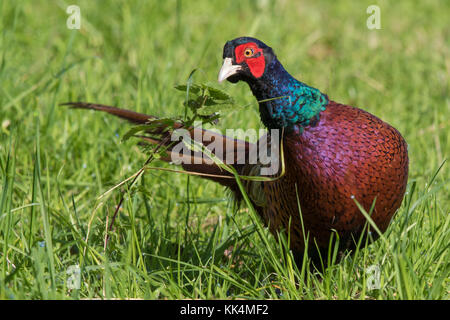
x=257 y=66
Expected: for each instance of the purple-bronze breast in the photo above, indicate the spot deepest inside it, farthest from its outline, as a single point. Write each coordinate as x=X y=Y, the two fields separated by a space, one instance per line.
x=348 y=155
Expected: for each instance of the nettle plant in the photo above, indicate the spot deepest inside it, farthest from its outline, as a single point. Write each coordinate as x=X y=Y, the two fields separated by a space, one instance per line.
x=203 y=104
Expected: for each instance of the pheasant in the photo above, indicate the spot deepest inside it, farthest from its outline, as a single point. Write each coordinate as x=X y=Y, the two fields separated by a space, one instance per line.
x=333 y=155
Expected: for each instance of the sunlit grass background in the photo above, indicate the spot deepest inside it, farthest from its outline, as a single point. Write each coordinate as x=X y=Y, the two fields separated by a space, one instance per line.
x=179 y=237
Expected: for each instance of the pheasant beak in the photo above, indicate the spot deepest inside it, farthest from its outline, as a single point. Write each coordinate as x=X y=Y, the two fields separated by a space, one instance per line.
x=228 y=69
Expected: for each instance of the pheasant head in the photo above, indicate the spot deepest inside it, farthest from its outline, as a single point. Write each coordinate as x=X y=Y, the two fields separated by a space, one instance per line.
x=284 y=102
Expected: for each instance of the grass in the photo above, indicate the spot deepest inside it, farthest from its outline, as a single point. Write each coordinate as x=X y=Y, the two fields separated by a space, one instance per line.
x=178 y=236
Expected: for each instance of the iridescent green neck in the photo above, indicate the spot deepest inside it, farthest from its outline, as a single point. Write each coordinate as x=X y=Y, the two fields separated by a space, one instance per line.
x=285 y=101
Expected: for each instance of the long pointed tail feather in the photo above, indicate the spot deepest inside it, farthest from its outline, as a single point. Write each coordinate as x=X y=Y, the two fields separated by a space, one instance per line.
x=197 y=162
x=135 y=117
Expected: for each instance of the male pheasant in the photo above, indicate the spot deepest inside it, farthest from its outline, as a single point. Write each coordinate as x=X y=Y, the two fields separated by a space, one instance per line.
x=334 y=154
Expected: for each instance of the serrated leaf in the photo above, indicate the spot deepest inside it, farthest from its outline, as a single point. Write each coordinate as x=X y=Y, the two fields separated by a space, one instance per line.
x=133 y=131
x=165 y=124
x=193 y=88
x=204 y=101
x=210 y=118
x=218 y=94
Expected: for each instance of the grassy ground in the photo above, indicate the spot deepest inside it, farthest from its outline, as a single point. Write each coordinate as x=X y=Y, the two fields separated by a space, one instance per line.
x=179 y=237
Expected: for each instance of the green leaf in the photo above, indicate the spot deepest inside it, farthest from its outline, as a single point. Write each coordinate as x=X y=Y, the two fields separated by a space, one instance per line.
x=166 y=124
x=218 y=107
x=217 y=94
x=133 y=131
x=193 y=88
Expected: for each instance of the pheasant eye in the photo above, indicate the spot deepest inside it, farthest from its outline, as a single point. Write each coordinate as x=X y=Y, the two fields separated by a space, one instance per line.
x=248 y=52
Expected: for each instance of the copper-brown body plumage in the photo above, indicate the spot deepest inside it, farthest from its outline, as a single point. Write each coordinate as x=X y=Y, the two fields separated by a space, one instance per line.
x=348 y=155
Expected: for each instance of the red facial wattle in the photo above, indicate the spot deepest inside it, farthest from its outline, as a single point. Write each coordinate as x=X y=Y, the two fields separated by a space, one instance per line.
x=256 y=63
